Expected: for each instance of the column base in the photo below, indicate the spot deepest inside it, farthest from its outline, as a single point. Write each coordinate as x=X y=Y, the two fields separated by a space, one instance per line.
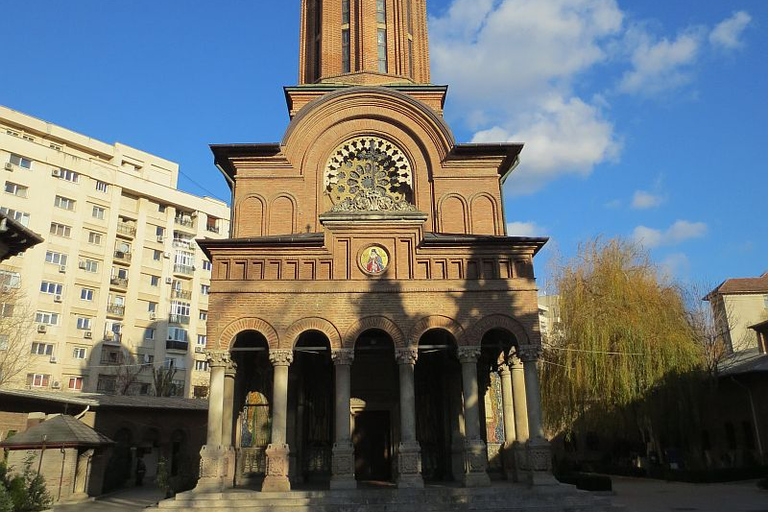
x=476 y=464
x=217 y=465
x=409 y=466
x=343 y=466
x=539 y=456
x=510 y=461
x=277 y=469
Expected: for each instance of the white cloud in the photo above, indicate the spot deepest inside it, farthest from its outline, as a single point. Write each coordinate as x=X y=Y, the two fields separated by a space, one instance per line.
x=728 y=32
x=678 y=232
x=524 y=229
x=643 y=200
x=660 y=65
x=676 y=265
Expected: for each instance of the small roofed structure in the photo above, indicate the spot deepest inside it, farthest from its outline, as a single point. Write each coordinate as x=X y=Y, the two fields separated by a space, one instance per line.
x=15 y=238
x=64 y=451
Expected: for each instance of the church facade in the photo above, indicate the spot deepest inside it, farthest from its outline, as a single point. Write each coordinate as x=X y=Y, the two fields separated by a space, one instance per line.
x=369 y=320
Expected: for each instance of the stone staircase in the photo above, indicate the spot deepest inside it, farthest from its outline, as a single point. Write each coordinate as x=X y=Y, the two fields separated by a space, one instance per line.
x=506 y=498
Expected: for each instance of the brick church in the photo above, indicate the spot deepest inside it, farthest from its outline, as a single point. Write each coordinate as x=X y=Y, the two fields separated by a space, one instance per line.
x=370 y=322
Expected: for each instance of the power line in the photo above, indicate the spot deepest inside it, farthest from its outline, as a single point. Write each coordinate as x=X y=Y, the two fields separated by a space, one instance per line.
x=212 y=194
x=604 y=352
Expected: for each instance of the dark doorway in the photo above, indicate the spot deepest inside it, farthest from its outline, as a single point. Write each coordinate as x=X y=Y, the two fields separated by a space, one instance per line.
x=373 y=446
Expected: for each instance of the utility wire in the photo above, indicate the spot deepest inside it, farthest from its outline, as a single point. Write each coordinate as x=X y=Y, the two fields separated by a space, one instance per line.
x=605 y=352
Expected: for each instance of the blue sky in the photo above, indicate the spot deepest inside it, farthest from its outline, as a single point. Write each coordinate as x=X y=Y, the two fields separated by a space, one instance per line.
x=641 y=119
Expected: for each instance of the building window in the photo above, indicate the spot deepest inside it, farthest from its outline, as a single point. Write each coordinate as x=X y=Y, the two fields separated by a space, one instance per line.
x=75 y=383
x=56 y=258
x=6 y=310
x=207 y=265
x=161 y=208
x=26 y=163
x=202 y=340
x=154 y=280
x=90 y=265
x=4 y=342
x=381 y=11
x=201 y=391
x=94 y=238
x=345 y=12
x=66 y=174
x=177 y=334
x=381 y=39
x=203 y=315
x=106 y=384
x=38 y=380
x=205 y=289
x=83 y=323
x=345 y=62
x=56 y=147
x=159 y=231
x=42 y=349
x=28 y=138
x=180 y=308
x=20 y=217
x=98 y=212
x=47 y=317
x=64 y=203
x=152 y=307
x=60 y=230
x=51 y=288
x=10 y=279
x=149 y=333
x=201 y=366
x=157 y=255
x=79 y=353
x=101 y=186
x=16 y=189
x=86 y=294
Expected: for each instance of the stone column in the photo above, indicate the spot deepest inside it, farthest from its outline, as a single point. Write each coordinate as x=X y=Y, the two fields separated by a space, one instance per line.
x=278 y=450
x=343 y=465
x=409 y=450
x=508 y=406
x=521 y=412
x=538 y=455
x=475 y=451
x=215 y=459
x=229 y=398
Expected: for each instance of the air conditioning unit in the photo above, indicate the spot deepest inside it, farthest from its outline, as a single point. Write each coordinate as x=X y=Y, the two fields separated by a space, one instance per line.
x=54 y=360
x=57 y=298
x=9 y=166
x=62 y=268
x=199 y=350
x=166 y=255
x=56 y=384
x=160 y=238
x=152 y=316
x=88 y=335
x=56 y=173
x=168 y=280
x=6 y=288
x=42 y=328
x=81 y=265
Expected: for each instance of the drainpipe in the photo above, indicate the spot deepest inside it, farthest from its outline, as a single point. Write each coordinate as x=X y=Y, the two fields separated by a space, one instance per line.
x=61 y=475
x=42 y=452
x=754 y=418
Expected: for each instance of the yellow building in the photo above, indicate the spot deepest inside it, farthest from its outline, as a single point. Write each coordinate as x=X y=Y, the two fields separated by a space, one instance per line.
x=119 y=285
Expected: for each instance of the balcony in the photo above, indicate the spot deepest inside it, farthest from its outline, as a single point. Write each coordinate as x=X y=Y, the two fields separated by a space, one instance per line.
x=212 y=229
x=123 y=257
x=118 y=282
x=178 y=319
x=182 y=243
x=185 y=222
x=125 y=229
x=176 y=345
x=116 y=310
x=112 y=338
x=185 y=270
x=182 y=294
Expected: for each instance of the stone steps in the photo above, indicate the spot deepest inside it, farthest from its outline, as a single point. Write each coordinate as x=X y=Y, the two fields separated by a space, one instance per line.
x=509 y=498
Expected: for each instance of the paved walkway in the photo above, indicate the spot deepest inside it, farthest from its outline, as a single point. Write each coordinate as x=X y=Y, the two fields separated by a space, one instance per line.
x=645 y=495
x=133 y=500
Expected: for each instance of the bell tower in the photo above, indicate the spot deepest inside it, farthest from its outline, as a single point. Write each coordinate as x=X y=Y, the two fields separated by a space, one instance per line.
x=363 y=42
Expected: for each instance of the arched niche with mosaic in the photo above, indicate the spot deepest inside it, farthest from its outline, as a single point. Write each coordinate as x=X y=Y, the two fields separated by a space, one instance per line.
x=369 y=174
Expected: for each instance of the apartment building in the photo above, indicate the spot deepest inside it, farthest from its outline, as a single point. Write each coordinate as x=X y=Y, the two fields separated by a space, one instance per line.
x=119 y=286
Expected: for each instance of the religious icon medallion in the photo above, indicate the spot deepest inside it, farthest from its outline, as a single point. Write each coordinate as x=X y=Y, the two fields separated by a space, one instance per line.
x=374 y=260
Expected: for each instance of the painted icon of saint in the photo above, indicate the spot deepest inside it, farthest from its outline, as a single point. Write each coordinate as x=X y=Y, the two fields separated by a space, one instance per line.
x=375 y=263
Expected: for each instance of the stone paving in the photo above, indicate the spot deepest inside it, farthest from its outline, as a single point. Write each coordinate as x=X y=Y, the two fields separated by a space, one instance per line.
x=128 y=500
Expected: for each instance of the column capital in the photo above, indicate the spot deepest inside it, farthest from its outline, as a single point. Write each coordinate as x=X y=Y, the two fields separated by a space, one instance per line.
x=231 y=368
x=407 y=355
x=220 y=358
x=468 y=354
x=514 y=362
x=529 y=353
x=343 y=356
x=281 y=357
x=504 y=369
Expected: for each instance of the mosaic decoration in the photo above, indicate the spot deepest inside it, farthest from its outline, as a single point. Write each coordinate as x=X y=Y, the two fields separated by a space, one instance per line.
x=367 y=174
x=374 y=260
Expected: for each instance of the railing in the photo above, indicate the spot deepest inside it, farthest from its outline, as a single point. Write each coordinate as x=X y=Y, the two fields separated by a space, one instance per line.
x=181 y=243
x=123 y=228
x=123 y=256
x=120 y=282
x=176 y=345
x=184 y=221
x=115 y=309
x=178 y=319
x=182 y=294
x=187 y=270
x=212 y=229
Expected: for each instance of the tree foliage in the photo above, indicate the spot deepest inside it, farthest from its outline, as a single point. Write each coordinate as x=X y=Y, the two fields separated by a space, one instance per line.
x=16 y=321
x=624 y=347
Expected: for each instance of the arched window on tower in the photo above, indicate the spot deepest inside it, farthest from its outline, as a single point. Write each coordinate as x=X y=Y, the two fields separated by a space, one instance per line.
x=381 y=20
x=345 y=59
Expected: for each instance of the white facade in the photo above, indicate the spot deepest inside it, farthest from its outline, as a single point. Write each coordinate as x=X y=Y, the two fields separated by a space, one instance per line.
x=119 y=281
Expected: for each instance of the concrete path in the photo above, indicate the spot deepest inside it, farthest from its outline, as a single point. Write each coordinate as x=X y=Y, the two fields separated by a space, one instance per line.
x=645 y=495
x=133 y=500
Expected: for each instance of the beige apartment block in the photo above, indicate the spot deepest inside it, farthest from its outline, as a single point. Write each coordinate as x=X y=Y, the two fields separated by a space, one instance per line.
x=119 y=284
x=738 y=304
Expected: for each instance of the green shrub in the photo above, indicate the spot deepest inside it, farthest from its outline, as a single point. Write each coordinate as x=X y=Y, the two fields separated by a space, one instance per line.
x=6 y=503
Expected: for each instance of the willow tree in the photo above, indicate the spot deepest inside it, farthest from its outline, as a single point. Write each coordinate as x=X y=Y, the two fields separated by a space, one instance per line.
x=623 y=349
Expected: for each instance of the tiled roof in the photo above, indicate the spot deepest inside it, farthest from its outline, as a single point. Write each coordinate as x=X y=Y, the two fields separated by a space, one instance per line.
x=95 y=400
x=744 y=285
x=743 y=361
x=60 y=430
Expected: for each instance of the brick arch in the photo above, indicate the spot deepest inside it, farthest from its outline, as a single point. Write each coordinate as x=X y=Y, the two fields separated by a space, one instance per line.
x=434 y=322
x=313 y=324
x=374 y=322
x=477 y=224
x=444 y=218
x=229 y=333
x=474 y=335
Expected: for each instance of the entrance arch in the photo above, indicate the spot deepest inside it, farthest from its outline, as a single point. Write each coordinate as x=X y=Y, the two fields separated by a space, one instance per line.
x=375 y=405
x=437 y=380
x=252 y=405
